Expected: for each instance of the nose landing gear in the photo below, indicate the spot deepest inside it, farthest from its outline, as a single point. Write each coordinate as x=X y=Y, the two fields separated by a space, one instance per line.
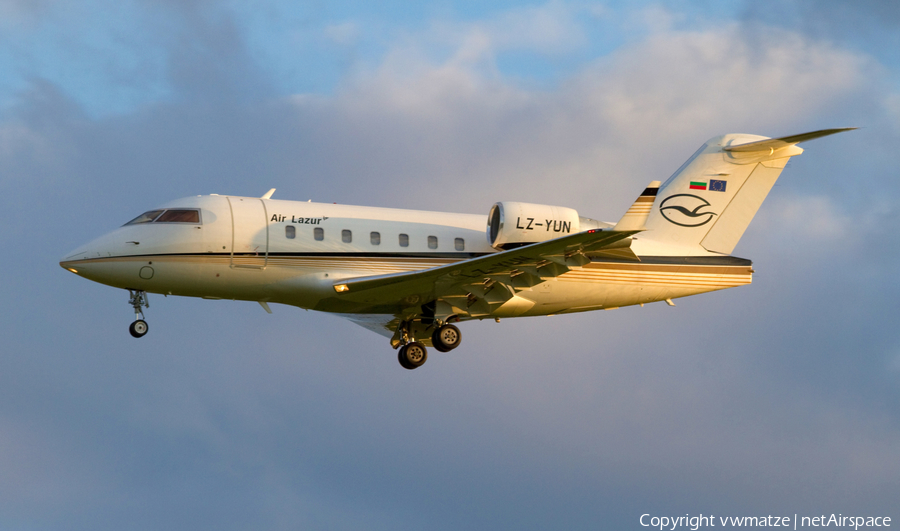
x=138 y=299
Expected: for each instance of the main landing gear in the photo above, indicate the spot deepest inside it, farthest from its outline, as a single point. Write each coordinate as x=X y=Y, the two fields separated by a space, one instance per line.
x=446 y=338
x=413 y=354
x=138 y=299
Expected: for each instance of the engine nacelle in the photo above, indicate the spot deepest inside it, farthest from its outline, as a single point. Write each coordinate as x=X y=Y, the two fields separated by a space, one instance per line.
x=515 y=224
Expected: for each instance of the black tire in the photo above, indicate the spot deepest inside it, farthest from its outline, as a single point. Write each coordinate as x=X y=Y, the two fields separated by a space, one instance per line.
x=413 y=355
x=446 y=338
x=138 y=328
x=401 y=357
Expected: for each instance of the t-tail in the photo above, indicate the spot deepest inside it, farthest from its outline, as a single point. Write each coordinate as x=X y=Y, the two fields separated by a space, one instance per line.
x=706 y=206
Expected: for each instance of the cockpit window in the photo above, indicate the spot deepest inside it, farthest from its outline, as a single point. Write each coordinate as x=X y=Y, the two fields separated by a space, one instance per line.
x=179 y=216
x=146 y=217
x=168 y=216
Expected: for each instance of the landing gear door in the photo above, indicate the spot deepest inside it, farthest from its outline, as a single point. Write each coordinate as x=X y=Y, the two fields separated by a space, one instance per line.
x=250 y=233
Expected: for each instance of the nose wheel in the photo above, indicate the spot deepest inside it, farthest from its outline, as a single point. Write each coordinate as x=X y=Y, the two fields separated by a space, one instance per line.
x=138 y=300
x=138 y=328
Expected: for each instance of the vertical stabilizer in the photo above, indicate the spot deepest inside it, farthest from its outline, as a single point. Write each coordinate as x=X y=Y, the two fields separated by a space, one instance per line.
x=708 y=203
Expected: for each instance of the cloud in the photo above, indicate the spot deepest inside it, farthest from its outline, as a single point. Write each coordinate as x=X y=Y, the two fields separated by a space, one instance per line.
x=549 y=28
x=722 y=77
x=18 y=11
x=841 y=17
x=552 y=28
x=207 y=56
x=345 y=33
x=813 y=218
x=640 y=111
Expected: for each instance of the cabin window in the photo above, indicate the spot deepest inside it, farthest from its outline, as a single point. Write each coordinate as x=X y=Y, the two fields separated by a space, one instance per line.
x=459 y=244
x=146 y=217
x=404 y=240
x=375 y=238
x=346 y=236
x=432 y=242
x=179 y=216
x=290 y=232
x=319 y=234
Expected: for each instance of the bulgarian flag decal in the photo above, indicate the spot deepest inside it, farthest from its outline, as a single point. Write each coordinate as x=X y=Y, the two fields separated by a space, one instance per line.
x=698 y=186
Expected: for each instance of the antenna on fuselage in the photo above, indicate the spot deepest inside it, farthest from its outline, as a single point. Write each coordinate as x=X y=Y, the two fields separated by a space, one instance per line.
x=268 y=194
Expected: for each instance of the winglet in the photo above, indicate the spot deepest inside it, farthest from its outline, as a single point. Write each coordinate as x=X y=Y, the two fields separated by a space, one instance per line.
x=268 y=194
x=636 y=216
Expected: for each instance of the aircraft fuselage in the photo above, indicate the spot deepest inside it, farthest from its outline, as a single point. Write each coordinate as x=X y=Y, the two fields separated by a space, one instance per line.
x=292 y=252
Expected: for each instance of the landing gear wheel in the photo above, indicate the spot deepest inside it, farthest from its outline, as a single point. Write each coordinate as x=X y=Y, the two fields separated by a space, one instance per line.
x=138 y=328
x=446 y=338
x=401 y=357
x=412 y=355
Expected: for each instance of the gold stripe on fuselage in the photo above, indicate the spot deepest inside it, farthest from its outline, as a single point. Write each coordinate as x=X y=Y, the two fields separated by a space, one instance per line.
x=712 y=276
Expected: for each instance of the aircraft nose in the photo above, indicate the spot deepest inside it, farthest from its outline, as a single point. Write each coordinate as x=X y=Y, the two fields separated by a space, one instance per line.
x=79 y=253
x=109 y=244
x=68 y=266
x=79 y=260
x=73 y=258
x=96 y=260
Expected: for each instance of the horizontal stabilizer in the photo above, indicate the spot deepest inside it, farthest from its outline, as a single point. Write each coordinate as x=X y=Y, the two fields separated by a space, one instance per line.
x=774 y=144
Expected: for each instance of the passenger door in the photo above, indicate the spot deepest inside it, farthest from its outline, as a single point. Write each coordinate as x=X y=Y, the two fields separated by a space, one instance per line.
x=250 y=232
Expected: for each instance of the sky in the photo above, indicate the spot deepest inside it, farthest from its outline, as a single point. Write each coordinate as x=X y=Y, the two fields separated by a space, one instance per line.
x=781 y=398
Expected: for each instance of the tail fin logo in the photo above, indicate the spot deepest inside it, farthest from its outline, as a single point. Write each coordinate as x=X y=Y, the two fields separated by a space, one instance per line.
x=685 y=210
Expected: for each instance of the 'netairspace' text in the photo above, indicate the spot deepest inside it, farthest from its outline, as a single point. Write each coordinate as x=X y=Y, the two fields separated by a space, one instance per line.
x=696 y=522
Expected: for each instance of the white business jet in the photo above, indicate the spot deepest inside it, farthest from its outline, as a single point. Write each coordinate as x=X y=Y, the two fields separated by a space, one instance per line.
x=409 y=275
